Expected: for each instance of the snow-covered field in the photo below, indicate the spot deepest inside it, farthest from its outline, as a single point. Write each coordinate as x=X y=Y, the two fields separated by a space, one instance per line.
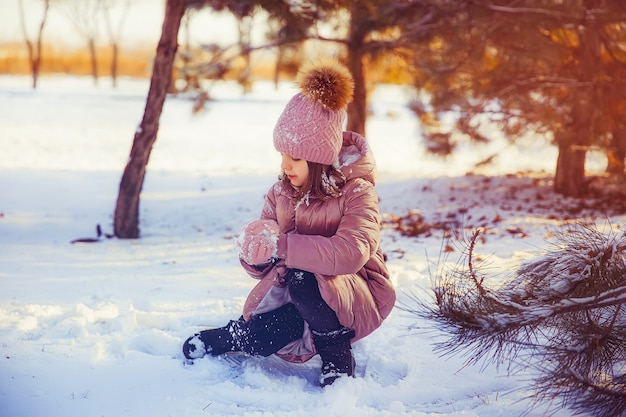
x=95 y=329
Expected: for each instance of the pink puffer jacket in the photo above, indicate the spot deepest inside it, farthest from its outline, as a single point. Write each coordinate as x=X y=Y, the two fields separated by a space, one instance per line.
x=339 y=241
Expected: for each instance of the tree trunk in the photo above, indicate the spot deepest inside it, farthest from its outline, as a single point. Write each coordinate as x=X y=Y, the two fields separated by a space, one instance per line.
x=243 y=78
x=616 y=154
x=357 y=110
x=114 y=59
x=37 y=61
x=91 y=43
x=34 y=53
x=569 y=178
x=570 y=169
x=126 y=221
x=279 y=61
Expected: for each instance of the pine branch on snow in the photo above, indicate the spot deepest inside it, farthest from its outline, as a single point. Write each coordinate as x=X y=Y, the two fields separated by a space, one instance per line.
x=562 y=315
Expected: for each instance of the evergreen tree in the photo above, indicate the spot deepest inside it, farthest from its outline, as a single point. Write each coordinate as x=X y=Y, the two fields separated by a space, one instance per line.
x=561 y=314
x=548 y=67
x=364 y=31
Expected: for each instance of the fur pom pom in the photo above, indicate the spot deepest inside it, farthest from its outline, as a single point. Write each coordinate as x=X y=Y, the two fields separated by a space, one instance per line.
x=327 y=82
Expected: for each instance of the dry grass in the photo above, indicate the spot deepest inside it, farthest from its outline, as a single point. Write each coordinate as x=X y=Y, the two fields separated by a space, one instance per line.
x=133 y=62
x=136 y=62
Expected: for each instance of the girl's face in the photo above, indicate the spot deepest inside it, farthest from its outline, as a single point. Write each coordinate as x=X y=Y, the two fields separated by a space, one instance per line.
x=297 y=170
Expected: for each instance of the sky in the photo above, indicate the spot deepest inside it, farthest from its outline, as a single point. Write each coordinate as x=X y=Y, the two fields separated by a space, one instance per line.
x=142 y=25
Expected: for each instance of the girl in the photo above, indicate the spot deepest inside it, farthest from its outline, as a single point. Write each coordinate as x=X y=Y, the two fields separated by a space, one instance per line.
x=315 y=250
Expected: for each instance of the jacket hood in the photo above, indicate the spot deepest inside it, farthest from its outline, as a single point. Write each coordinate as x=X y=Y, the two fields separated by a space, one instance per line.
x=356 y=159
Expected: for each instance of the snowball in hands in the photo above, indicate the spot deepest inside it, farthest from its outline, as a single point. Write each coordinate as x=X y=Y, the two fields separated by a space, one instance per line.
x=258 y=241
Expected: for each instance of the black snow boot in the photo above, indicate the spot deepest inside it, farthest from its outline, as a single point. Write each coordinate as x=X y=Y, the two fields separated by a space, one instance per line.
x=213 y=341
x=336 y=353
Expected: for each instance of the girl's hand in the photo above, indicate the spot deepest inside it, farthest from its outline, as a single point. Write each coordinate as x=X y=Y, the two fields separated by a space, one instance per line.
x=258 y=242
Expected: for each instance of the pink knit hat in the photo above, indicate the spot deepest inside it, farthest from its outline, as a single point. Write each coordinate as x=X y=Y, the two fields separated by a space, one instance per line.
x=311 y=125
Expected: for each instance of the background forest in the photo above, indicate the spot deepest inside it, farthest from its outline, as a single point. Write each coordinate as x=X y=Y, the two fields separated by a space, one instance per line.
x=477 y=71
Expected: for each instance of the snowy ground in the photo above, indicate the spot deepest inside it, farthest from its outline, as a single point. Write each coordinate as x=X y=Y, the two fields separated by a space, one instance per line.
x=95 y=329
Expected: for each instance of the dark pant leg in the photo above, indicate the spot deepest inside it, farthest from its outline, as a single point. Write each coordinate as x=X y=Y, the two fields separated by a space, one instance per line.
x=331 y=339
x=265 y=334
x=305 y=295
